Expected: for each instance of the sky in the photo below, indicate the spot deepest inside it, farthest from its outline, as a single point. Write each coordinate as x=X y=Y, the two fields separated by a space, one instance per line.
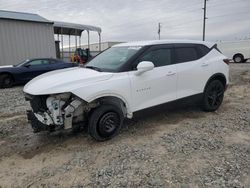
x=134 y=20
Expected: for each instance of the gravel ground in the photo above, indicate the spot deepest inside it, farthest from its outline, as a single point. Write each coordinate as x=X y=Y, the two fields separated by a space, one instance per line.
x=182 y=147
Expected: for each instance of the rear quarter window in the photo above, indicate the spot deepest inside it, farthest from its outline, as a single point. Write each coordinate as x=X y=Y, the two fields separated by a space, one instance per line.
x=203 y=50
x=54 y=61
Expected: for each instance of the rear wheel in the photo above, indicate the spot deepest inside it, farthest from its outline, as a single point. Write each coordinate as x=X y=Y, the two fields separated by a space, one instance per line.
x=238 y=58
x=6 y=81
x=105 y=122
x=213 y=95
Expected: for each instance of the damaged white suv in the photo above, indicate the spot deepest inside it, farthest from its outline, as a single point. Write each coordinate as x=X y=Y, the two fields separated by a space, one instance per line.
x=125 y=79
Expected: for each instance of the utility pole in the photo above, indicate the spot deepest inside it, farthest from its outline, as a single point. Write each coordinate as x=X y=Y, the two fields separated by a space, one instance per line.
x=159 y=31
x=204 y=20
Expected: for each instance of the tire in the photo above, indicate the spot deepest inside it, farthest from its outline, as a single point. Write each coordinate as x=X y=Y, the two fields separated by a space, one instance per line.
x=36 y=125
x=38 y=104
x=6 y=81
x=238 y=58
x=105 y=122
x=213 y=95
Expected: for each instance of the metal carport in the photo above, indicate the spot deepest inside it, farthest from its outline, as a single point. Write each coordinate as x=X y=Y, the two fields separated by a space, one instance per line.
x=72 y=29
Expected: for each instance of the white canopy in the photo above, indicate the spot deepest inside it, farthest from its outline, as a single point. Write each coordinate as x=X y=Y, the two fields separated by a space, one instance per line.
x=66 y=28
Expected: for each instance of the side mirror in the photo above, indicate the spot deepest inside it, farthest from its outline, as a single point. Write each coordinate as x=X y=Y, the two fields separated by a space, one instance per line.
x=144 y=66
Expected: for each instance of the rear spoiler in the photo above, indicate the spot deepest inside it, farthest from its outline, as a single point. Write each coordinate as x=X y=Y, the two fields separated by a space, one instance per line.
x=216 y=48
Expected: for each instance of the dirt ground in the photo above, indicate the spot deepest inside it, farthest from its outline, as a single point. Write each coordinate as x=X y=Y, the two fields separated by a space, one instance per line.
x=176 y=148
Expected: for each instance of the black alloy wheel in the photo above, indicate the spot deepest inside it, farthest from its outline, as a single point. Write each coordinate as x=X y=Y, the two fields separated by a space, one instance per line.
x=213 y=95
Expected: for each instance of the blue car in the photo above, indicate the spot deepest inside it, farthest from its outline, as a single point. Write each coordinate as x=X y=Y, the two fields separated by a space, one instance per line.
x=29 y=69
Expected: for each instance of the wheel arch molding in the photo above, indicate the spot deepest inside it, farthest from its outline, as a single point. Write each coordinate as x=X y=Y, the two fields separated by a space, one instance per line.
x=217 y=76
x=116 y=100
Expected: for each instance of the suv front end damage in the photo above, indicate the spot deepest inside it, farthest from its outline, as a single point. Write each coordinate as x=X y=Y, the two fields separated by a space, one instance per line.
x=57 y=111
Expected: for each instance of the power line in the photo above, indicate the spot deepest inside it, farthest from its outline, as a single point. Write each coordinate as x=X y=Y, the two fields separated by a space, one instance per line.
x=223 y=3
x=235 y=13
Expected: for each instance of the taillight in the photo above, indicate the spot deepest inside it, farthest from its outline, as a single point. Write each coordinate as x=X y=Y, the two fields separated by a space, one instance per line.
x=227 y=61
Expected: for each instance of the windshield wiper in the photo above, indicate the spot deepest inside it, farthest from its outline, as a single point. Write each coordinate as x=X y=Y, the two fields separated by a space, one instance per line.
x=94 y=68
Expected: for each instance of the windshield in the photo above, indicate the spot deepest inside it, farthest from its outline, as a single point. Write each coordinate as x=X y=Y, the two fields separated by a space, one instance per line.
x=113 y=58
x=22 y=63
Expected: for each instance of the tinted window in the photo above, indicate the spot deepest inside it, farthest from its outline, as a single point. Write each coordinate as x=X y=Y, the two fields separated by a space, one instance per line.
x=38 y=62
x=185 y=54
x=203 y=50
x=52 y=61
x=160 y=57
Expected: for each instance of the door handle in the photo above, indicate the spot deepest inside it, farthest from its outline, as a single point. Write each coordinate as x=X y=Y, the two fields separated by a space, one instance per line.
x=204 y=64
x=170 y=73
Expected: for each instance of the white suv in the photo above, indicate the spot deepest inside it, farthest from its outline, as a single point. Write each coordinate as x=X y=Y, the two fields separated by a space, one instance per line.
x=125 y=79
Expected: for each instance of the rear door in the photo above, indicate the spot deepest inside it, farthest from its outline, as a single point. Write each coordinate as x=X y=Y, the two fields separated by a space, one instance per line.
x=193 y=69
x=158 y=85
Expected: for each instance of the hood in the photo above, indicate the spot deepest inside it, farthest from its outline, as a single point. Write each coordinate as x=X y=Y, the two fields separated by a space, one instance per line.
x=64 y=80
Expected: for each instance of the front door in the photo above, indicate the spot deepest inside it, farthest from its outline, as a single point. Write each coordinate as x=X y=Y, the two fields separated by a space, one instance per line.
x=157 y=86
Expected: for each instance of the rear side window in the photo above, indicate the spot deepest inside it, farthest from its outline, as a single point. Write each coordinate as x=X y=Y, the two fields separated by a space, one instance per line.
x=185 y=54
x=54 y=61
x=160 y=57
x=203 y=50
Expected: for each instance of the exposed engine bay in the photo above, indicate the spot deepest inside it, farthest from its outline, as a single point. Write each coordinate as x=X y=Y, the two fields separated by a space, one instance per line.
x=58 y=111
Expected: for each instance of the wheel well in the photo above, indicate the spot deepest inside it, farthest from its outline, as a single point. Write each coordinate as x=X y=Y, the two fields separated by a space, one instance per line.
x=219 y=77
x=113 y=101
x=7 y=73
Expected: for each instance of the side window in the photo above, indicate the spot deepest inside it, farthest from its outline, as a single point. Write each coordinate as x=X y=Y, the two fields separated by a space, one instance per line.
x=160 y=57
x=54 y=61
x=185 y=54
x=38 y=62
x=203 y=50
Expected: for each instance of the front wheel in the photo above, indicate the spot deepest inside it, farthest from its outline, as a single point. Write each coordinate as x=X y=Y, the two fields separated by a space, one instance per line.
x=105 y=122
x=213 y=95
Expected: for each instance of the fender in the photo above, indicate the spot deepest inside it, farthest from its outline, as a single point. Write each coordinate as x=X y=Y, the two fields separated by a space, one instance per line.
x=112 y=94
x=219 y=76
